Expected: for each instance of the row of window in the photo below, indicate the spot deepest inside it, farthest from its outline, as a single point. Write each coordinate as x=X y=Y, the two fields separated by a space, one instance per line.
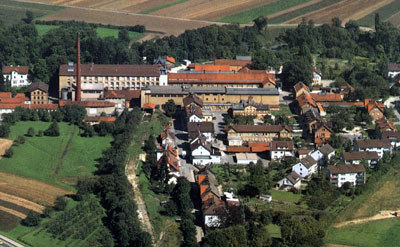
x=126 y=84
x=116 y=78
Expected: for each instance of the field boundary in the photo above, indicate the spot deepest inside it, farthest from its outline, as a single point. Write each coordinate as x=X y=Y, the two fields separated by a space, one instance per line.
x=64 y=153
x=384 y=214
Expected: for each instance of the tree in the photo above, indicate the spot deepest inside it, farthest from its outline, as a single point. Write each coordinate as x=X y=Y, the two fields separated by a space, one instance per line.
x=88 y=131
x=296 y=71
x=4 y=130
x=31 y=132
x=377 y=21
x=29 y=17
x=170 y=108
x=9 y=153
x=306 y=232
x=181 y=195
x=256 y=183
x=33 y=219
x=40 y=133
x=258 y=236
x=53 y=130
x=20 y=140
x=73 y=113
x=268 y=119
x=60 y=204
x=189 y=233
x=260 y=23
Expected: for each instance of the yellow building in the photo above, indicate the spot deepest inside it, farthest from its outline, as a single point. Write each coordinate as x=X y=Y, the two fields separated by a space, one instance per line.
x=239 y=134
x=39 y=92
x=250 y=109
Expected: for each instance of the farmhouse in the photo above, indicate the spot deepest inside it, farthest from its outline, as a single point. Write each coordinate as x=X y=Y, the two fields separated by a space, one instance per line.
x=18 y=75
x=238 y=134
x=340 y=174
x=38 y=92
x=293 y=180
x=281 y=149
x=380 y=146
x=306 y=167
x=356 y=157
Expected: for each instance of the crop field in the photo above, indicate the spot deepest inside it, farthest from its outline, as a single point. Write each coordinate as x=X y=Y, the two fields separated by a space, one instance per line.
x=388 y=12
x=382 y=233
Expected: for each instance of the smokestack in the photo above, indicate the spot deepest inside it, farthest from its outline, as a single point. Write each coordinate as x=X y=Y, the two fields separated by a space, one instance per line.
x=78 y=69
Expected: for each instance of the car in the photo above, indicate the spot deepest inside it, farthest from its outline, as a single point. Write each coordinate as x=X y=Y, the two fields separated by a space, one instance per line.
x=1 y=242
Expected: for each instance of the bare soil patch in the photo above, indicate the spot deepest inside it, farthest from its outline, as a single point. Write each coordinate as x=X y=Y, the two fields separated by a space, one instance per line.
x=13 y=212
x=386 y=214
x=8 y=221
x=31 y=190
x=169 y=26
x=4 y=145
x=395 y=19
x=345 y=10
x=21 y=202
x=140 y=6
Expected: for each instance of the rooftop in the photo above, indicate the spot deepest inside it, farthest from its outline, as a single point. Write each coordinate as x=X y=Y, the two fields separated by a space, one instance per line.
x=111 y=70
x=373 y=143
x=18 y=69
x=342 y=169
x=360 y=155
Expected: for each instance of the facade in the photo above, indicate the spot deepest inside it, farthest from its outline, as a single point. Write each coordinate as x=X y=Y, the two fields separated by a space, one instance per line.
x=306 y=167
x=326 y=150
x=322 y=134
x=97 y=77
x=281 y=149
x=380 y=146
x=355 y=158
x=39 y=92
x=293 y=180
x=170 y=158
x=301 y=88
x=393 y=70
x=18 y=75
x=393 y=137
x=246 y=158
x=238 y=134
x=317 y=76
x=340 y=174
x=250 y=109
x=203 y=153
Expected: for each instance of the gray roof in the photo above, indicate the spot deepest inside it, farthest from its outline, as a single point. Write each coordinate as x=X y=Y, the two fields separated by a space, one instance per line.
x=205 y=89
x=308 y=161
x=243 y=57
x=167 y=90
x=293 y=177
x=326 y=149
x=242 y=105
x=393 y=67
x=374 y=143
x=252 y=91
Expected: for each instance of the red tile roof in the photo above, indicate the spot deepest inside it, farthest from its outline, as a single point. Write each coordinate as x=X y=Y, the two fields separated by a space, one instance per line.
x=149 y=106
x=233 y=149
x=18 y=69
x=111 y=70
x=43 y=106
x=232 y=62
x=87 y=104
x=122 y=94
x=211 y=67
x=282 y=145
x=225 y=78
x=371 y=104
x=305 y=99
x=258 y=128
x=170 y=59
x=299 y=86
x=5 y=95
x=326 y=97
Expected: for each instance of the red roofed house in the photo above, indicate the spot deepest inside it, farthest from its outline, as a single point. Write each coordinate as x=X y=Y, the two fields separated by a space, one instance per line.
x=327 y=97
x=123 y=98
x=18 y=75
x=39 y=92
x=322 y=134
x=301 y=88
x=234 y=65
x=239 y=134
x=317 y=76
x=170 y=158
x=374 y=108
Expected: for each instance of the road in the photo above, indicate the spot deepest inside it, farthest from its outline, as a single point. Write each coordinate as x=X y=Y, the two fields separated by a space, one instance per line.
x=8 y=242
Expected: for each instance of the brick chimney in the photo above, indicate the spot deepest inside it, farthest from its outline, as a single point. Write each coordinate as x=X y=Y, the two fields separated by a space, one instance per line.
x=78 y=69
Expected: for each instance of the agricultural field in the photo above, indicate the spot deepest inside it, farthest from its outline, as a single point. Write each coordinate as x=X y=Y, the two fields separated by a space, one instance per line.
x=382 y=233
x=388 y=12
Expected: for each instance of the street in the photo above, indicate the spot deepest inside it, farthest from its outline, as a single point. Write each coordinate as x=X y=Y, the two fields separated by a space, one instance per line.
x=8 y=242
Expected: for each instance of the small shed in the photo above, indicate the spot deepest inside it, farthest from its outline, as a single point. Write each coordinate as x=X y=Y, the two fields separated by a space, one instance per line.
x=149 y=108
x=246 y=158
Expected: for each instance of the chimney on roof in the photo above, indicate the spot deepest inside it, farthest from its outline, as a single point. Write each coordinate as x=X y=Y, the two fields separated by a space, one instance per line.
x=78 y=68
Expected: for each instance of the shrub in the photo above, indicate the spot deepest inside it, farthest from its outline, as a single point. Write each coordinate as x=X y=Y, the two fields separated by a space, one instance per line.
x=33 y=219
x=9 y=153
x=31 y=132
x=20 y=140
x=60 y=204
x=53 y=130
x=40 y=133
x=4 y=130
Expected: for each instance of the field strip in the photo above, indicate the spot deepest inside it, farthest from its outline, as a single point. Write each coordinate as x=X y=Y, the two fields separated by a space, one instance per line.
x=21 y=202
x=13 y=212
x=293 y=9
x=386 y=214
x=395 y=19
x=364 y=12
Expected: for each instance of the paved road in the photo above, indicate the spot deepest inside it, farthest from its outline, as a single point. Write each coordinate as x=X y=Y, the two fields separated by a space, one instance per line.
x=8 y=242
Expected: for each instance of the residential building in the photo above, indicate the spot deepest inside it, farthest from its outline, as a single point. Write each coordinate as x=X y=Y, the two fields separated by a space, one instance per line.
x=304 y=103
x=246 y=108
x=203 y=153
x=17 y=75
x=393 y=137
x=384 y=125
x=375 y=109
x=393 y=70
x=194 y=113
x=301 y=88
x=170 y=158
x=355 y=158
x=380 y=146
x=322 y=133
x=246 y=158
x=303 y=153
x=192 y=100
x=325 y=151
x=97 y=77
x=38 y=92
x=281 y=149
x=239 y=134
x=306 y=167
x=167 y=137
x=293 y=180
x=317 y=76
x=196 y=129
x=340 y=174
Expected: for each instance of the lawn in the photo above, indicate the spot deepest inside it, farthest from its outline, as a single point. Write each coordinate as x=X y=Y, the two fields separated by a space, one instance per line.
x=12 y=12
x=384 y=13
x=43 y=29
x=376 y=233
x=271 y=8
x=38 y=157
x=103 y=32
x=148 y=11
x=274 y=230
x=285 y=196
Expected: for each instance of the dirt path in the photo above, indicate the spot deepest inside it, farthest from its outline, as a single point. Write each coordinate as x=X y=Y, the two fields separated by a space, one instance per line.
x=130 y=171
x=386 y=214
x=21 y=202
x=64 y=153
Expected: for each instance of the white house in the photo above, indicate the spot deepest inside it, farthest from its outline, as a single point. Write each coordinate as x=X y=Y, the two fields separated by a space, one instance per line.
x=393 y=70
x=317 y=76
x=356 y=157
x=306 y=167
x=246 y=158
x=203 y=153
x=375 y=145
x=195 y=118
x=303 y=153
x=293 y=180
x=18 y=76
x=325 y=150
x=393 y=137
x=281 y=149
x=340 y=174
x=195 y=129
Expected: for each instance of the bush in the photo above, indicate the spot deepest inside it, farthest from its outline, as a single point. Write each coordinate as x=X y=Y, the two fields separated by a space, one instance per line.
x=40 y=133
x=9 y=153
x=4 y=130
x=60 y=204
x=31 y=132
x=20 y=140
x=53 y=130
x=33 y=219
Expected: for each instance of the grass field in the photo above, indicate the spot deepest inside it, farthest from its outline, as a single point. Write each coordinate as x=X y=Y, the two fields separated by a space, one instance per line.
x=148 y=11
x=296 y=13
x=274 y=230
x=43 y=29
x=11 y=12
x=383 y=233
x=285 y=196
x=249 y=15
x=38 y=157
x=384 y=13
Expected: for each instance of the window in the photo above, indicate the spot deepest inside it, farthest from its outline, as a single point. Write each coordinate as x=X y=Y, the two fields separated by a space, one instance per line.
x=206 y=98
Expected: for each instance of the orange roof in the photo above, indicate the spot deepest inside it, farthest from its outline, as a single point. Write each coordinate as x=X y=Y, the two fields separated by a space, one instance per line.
x=107 y=119
x=211 y=67
x=122 y=94
x=232 y=62
x=12 y=100
x=299 y=86
x=326 y=97
x=170 y=59
x=260 y=149
x=201 y=177
x=43 y=106
x=87 y=104
x=231 y=149
x=320 y=108
x=371 y=104
x=304 y=99
x=236 y=78
x=5 y=95
x=359 y=104
x=149 y=106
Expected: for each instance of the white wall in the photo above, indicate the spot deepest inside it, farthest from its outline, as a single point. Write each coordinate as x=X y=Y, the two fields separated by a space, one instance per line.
x=281 y=154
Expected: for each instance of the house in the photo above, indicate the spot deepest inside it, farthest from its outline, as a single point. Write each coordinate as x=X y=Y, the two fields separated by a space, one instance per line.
x=311 y=118
x=38 y=92
x=340 y=174
x=393 y=70
x=306 y=167
x=303 y=153
x=326 y=97
x=249 y=108
x=293 y=180
x=170 y=158
x=375 y=109
x=355 y=158
x=384 y=125
x=203 y=153
x=165 y=61
x=304 y=103
x=196 y=129
x=17 y=75
x=325 y=151
x=301 y=88
x=393 y=137
x=317 y=76
x=194 y=113
x=322 y=134
x=123 y=98
x=380 y=146
x=238 y=134
x=246 y=158
x=167 y=137
x=281 y=149
x=192 y=100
